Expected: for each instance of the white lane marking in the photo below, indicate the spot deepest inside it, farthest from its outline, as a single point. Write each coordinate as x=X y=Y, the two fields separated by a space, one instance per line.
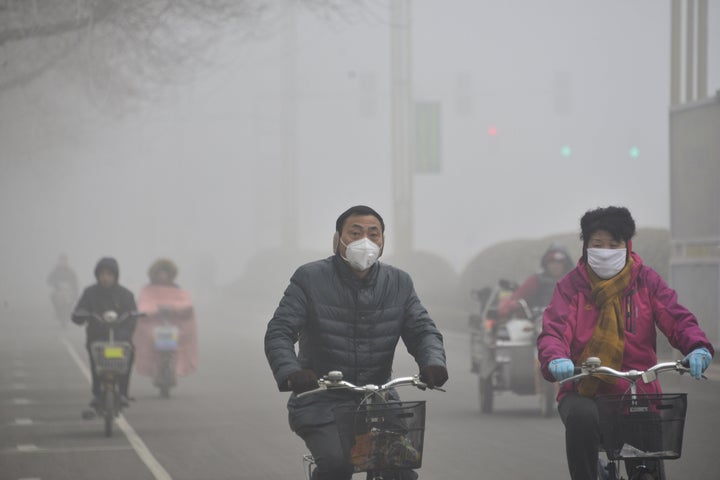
x=142 y=450
x=33 y=449
x=30 y=478
x=21 y=401
x=18 y=386
x=23 y=421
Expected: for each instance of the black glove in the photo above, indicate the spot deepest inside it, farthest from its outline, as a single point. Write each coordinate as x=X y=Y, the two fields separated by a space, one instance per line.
x=302 y=381
x=80 y=317
x=433 y=375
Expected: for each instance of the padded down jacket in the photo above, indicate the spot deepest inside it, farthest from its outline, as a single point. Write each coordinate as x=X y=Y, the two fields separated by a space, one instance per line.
x=345 y=323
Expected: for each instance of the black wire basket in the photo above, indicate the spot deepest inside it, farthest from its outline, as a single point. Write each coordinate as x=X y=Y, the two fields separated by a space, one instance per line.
x=382 y=436
x=644 y=426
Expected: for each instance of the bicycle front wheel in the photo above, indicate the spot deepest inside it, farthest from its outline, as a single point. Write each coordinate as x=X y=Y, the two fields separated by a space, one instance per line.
x=109 y=412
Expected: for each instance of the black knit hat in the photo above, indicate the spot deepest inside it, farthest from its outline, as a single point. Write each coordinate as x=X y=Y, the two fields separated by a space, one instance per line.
x=357 y=210
x=617 y=221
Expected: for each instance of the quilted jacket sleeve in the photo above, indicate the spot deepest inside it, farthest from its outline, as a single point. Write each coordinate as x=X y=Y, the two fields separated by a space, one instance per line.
x=283 y=330
x=420 y=334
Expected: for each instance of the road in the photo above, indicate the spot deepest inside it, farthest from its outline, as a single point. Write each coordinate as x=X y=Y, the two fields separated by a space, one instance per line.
x=228 y=421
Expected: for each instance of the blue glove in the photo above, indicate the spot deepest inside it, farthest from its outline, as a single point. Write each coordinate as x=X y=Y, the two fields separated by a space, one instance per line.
x=699 y=360
x=562 y=368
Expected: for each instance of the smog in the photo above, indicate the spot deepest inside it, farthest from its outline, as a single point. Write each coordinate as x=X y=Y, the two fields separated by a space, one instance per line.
x=230 y=140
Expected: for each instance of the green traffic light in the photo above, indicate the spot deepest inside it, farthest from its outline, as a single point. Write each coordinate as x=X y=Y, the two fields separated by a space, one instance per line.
x=634 y=152
x=565 y=151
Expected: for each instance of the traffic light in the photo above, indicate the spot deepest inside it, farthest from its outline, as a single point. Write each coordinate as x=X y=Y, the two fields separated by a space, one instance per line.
x=492 y=131
x=565 y=151
x=634 y=152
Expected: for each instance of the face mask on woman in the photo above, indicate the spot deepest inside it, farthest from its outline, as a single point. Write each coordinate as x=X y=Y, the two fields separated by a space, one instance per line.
x=606 y=262
x=361 y=254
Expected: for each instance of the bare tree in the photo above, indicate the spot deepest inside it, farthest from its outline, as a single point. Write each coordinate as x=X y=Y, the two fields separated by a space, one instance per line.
x=130 y=47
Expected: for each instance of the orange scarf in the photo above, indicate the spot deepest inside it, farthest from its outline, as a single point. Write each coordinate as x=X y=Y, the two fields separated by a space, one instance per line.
x=608 y=338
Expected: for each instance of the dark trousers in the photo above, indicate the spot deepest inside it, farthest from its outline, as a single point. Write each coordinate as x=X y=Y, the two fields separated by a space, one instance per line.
x=582 y=435
x=124 y=380
x=324 y=444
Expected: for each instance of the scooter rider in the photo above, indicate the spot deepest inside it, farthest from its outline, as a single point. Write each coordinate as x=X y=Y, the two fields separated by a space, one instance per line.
x=164 y=298
x=537 y=289
x=105 y=295
x=62 y=277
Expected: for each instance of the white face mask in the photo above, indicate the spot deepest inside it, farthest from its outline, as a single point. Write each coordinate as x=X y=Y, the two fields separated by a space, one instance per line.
x=361 y=254
x=606 y=262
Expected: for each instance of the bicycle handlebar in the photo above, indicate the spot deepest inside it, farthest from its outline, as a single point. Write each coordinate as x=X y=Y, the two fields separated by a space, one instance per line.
x=592 y=367
x=109 y=317
x=333 y=381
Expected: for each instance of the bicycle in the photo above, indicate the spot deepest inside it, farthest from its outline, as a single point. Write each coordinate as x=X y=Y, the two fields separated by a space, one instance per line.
x=379 y=435
x=641 y=430
x=112 y=360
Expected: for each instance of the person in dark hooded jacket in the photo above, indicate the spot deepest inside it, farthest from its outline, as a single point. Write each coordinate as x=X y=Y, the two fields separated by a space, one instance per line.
x=348 y=313
x=106 y=294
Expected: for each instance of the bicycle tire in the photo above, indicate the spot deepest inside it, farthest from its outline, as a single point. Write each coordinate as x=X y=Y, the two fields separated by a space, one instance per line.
x=109 y=412
x=166 y=373
x=486 y=394
x=650 y=469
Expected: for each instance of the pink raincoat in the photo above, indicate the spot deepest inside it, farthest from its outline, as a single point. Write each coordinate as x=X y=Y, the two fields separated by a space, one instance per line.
x=151 y=299
x=570 y=319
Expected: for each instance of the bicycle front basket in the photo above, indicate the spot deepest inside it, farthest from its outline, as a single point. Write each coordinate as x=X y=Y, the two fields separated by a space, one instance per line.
x=383 y=436
x=111 y=357
x=648 y=426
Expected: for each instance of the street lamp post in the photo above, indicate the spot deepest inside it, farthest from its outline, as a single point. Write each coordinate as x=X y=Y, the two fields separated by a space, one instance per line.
x=403 y=152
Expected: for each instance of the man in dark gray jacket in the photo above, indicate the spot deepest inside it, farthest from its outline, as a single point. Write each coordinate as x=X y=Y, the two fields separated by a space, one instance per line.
x=347 y=312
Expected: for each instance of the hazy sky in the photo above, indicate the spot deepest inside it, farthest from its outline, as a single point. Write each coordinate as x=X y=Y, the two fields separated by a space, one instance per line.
x=197 y=174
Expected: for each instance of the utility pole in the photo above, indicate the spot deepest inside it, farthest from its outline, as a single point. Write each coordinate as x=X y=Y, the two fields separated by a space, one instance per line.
x=403 y=151
x=289 y=213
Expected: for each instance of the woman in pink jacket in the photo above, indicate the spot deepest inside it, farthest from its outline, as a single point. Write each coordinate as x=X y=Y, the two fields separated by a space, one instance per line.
x=165 y=302
x=609 y=307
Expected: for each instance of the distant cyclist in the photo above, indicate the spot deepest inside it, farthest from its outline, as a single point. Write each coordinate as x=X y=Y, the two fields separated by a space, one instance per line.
x=64 y=283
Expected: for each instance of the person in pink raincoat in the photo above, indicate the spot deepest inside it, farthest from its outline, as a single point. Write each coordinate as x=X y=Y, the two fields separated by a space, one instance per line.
x=610 y=307
x=163 y=298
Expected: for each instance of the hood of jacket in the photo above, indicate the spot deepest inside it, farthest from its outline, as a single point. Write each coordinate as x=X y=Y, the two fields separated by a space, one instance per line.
x=108 y=263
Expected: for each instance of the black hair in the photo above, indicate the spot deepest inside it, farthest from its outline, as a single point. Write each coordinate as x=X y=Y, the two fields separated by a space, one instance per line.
x=615 y=220
x=357 y=210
